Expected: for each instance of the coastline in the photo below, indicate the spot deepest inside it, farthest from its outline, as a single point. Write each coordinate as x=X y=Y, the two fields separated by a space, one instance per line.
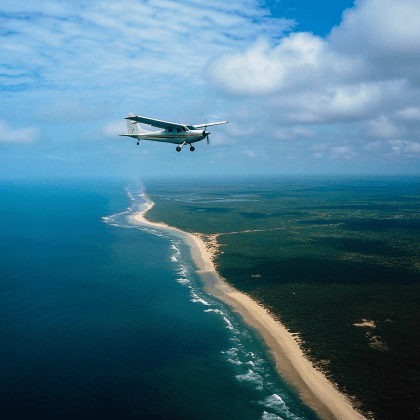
x=312 y=385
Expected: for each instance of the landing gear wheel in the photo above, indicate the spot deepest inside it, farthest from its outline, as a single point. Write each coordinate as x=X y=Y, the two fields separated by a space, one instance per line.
x=178 y=149
x=192 y=148
x=138 y=143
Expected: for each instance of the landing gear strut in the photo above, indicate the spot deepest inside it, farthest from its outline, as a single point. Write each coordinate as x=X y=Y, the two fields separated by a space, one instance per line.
x=178 y=149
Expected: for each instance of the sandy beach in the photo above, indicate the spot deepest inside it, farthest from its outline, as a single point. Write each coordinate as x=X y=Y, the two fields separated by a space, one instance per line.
x=313 y=387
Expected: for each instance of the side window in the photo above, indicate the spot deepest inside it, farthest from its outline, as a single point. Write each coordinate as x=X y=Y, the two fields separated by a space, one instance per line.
x=170 y=130
x=183 y=129
x=178 y=130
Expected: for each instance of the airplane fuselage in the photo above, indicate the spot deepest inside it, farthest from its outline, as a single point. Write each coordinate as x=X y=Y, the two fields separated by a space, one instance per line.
x=171 y=135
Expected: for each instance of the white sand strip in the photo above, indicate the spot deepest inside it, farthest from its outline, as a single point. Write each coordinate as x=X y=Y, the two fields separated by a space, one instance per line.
x=312 y=385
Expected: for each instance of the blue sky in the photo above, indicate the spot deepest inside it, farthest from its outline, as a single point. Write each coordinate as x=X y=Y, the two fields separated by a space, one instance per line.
x=307 y=87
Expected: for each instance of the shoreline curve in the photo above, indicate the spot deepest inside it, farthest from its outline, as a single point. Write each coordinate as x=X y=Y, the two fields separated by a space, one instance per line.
x=292 y=365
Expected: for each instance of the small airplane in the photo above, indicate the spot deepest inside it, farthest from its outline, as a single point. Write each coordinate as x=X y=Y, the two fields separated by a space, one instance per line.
x=172 y=132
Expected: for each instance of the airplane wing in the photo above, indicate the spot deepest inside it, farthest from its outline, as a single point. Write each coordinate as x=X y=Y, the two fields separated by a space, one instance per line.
x=167 y=124
x=205 y=125
x=154 y=123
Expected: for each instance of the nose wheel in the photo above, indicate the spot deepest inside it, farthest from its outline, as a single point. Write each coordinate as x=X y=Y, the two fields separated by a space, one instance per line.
x=192 y=148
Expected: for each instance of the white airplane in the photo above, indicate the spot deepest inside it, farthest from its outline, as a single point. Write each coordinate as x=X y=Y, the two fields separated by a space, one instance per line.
x=172 y=132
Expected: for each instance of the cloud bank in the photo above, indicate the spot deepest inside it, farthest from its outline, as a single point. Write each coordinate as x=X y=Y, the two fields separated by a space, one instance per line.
x=358 y=84
x=98 y=45
x=294 y=100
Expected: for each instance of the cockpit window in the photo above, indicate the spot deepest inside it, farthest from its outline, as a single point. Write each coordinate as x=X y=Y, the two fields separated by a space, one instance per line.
x=178 y=130
x=170 y=130
x=183 y=129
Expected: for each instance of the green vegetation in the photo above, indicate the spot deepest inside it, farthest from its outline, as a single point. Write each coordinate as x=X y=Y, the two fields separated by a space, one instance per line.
x=323 y=255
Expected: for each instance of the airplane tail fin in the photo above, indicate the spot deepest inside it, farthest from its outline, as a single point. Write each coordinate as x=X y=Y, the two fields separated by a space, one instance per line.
x=133 y=127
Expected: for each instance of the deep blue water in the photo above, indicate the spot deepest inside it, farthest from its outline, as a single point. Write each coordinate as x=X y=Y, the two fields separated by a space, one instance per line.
x=101 y=319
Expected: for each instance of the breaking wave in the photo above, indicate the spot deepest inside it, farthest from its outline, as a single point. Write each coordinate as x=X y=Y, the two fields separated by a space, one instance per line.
x=249 y=367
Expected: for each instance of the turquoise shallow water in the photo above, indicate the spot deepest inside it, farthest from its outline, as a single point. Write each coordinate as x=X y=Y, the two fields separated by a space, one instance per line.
x=101 y=319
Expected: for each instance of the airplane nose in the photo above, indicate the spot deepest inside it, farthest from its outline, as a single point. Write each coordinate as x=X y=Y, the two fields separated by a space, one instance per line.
x=206 y=133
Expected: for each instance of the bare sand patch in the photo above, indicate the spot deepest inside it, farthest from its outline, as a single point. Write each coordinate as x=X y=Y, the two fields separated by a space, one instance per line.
x=375 y=341
x=366 y=323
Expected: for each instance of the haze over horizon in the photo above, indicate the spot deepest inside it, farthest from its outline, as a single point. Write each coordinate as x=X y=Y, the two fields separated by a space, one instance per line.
x=307 y=88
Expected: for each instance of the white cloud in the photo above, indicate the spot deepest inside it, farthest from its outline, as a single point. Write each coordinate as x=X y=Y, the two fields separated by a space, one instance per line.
x=9 y=134
x=353 y=86
x=384 y=128
x=299 y=60
x=409 y=113
x=380 y=27
x=115 y=128
x=97 y=44
x=397 y=146
x=342 y=152
x=412 y=148
x=335 y=103
x=404 y=148
x=345 y=96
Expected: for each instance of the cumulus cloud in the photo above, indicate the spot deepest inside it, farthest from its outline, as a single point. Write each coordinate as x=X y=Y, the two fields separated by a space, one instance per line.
x=9 y=134
x=337 y=102
x=385 y=32
x=299 y=60
x=403 y=149
x=351 y=87
x=350 y=95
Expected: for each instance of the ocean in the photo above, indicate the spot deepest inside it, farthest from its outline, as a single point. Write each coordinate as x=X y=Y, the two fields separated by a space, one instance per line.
x=102 y=318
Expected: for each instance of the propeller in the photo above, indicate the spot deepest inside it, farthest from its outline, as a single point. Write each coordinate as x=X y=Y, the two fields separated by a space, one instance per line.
x=205 y=131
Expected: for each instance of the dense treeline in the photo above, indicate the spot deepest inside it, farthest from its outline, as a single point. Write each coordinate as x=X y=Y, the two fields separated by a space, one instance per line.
x=382 y=362
x=324 y=256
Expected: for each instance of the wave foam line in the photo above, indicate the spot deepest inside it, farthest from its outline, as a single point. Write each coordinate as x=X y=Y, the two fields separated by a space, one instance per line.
x=196 y=298
x=315 y=389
